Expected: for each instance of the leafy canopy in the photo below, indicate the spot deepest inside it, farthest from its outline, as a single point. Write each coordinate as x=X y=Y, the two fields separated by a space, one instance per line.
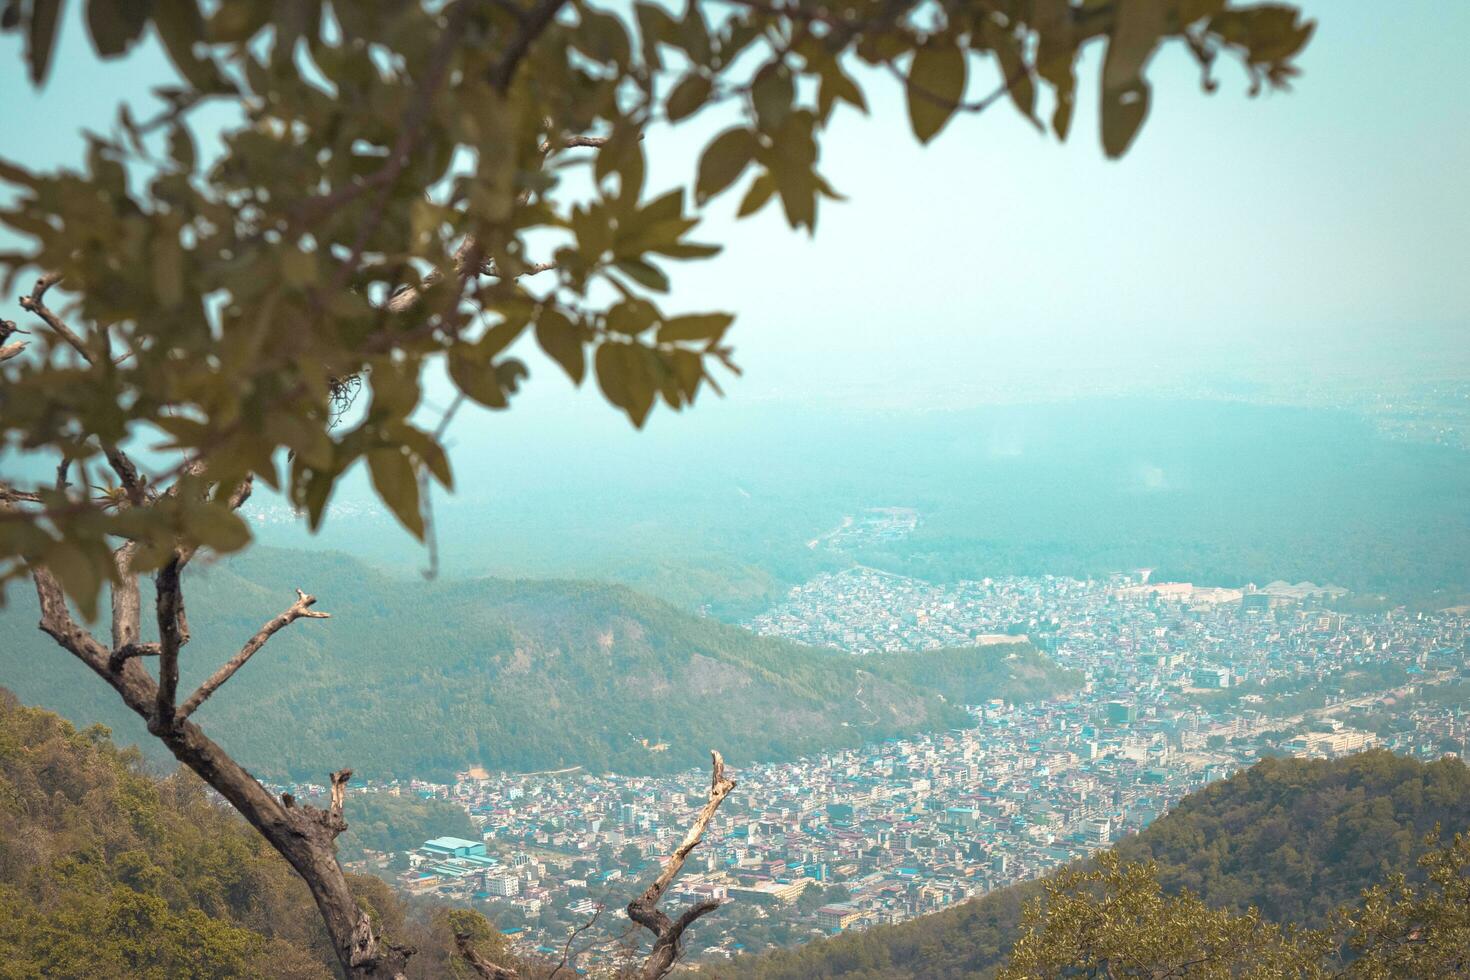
x=394 y=191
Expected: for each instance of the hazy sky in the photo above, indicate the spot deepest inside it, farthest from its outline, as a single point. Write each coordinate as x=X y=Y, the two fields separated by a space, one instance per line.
x=1239 y=236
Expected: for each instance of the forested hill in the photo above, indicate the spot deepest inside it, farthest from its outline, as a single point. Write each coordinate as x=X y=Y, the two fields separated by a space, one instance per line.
x=106 y=871
x=414 y=678
x=1295 y=838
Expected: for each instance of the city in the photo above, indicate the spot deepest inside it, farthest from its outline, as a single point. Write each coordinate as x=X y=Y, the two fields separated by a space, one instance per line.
x=1180 y=686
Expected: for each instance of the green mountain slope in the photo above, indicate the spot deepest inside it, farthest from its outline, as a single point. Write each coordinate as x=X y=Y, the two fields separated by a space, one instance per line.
x=418 y=678
x=1295 y=838
x=107 y=871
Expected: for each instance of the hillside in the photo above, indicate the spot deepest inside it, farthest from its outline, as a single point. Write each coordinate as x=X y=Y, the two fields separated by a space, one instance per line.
x=414 y=678
x=106 y=871
x=1296 y=838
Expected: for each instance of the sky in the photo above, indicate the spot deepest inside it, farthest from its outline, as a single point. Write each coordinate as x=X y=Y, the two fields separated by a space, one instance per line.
x=1320 y=231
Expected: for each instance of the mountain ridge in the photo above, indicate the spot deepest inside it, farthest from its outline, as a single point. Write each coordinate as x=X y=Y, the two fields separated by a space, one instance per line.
x=509 y=674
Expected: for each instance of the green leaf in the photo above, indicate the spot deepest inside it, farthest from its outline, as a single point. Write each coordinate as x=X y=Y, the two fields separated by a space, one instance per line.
x=216 y=526
x=772 y=93
x=706 y=327
x=1015 y=73
x=623 y=155
x=838 y=86
x=475 y=375
x=624 y=380
x=655 y=25
x=757 y=195
x=395 y=481
x=1125 y=93
x=603 y=36
x=631 y=317
x=298 y=268
x=694 y=33
x=936 y=84
x=644 y=273
x=78 y=575
x=429 y=452
x=41 y=38
x=181 y=147
x=167 y=267
x=180 y=27
x=723 y=161
x=13 y=173
x=686 y=250
x=562 y=342
x=115 y=25
x=688 y=96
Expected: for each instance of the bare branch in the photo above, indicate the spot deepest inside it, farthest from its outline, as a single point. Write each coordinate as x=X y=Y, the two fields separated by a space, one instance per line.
x=464 y=943
x=573 y=142
x=7 y=330
x=566 y=953
x=127 y=474
x=644 y=909
x=57 y=622
x=242 y=493
x=300 y=609
x=10 y=495
x=466 y=260
x=36 y=303
x=126 y=603
x=172 y=627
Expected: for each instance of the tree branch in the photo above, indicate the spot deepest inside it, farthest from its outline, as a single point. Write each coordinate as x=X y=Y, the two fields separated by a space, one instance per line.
x=57 y=622
x=644 y=909
x=567 y=958
x=7 y=330
x=300 y=609
x=533 y=24
x=464 y=943
x=35 y=303
x=127 y=474
x=126 y=603
x=172 y=628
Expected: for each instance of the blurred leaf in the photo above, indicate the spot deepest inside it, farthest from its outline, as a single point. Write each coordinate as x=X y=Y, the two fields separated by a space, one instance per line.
x=562 y=342
x=394 y=480
x=41 y=38
x=1125 y=93
x=115 y=25
x=644 y=273
x=772 y=93
x=167 y=264
x=936 y=84
x=695 y=327
x=180 y=27
x=78 y=574
x=216 y=526
x=181 y=147
x=624 y=380
x=687 y=97
x=723 y=161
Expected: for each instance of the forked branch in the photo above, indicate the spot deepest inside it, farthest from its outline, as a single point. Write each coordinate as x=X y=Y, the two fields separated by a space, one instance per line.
x=465 y=944
x=669 y=933
x=300 y=609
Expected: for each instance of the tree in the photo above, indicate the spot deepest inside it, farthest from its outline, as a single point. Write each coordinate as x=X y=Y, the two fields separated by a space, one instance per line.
x=1113 y=920
x=1416 y=930
x=392 y=199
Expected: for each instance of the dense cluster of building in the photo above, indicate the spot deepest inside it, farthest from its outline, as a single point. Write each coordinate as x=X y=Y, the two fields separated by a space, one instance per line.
x=1179 y=686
